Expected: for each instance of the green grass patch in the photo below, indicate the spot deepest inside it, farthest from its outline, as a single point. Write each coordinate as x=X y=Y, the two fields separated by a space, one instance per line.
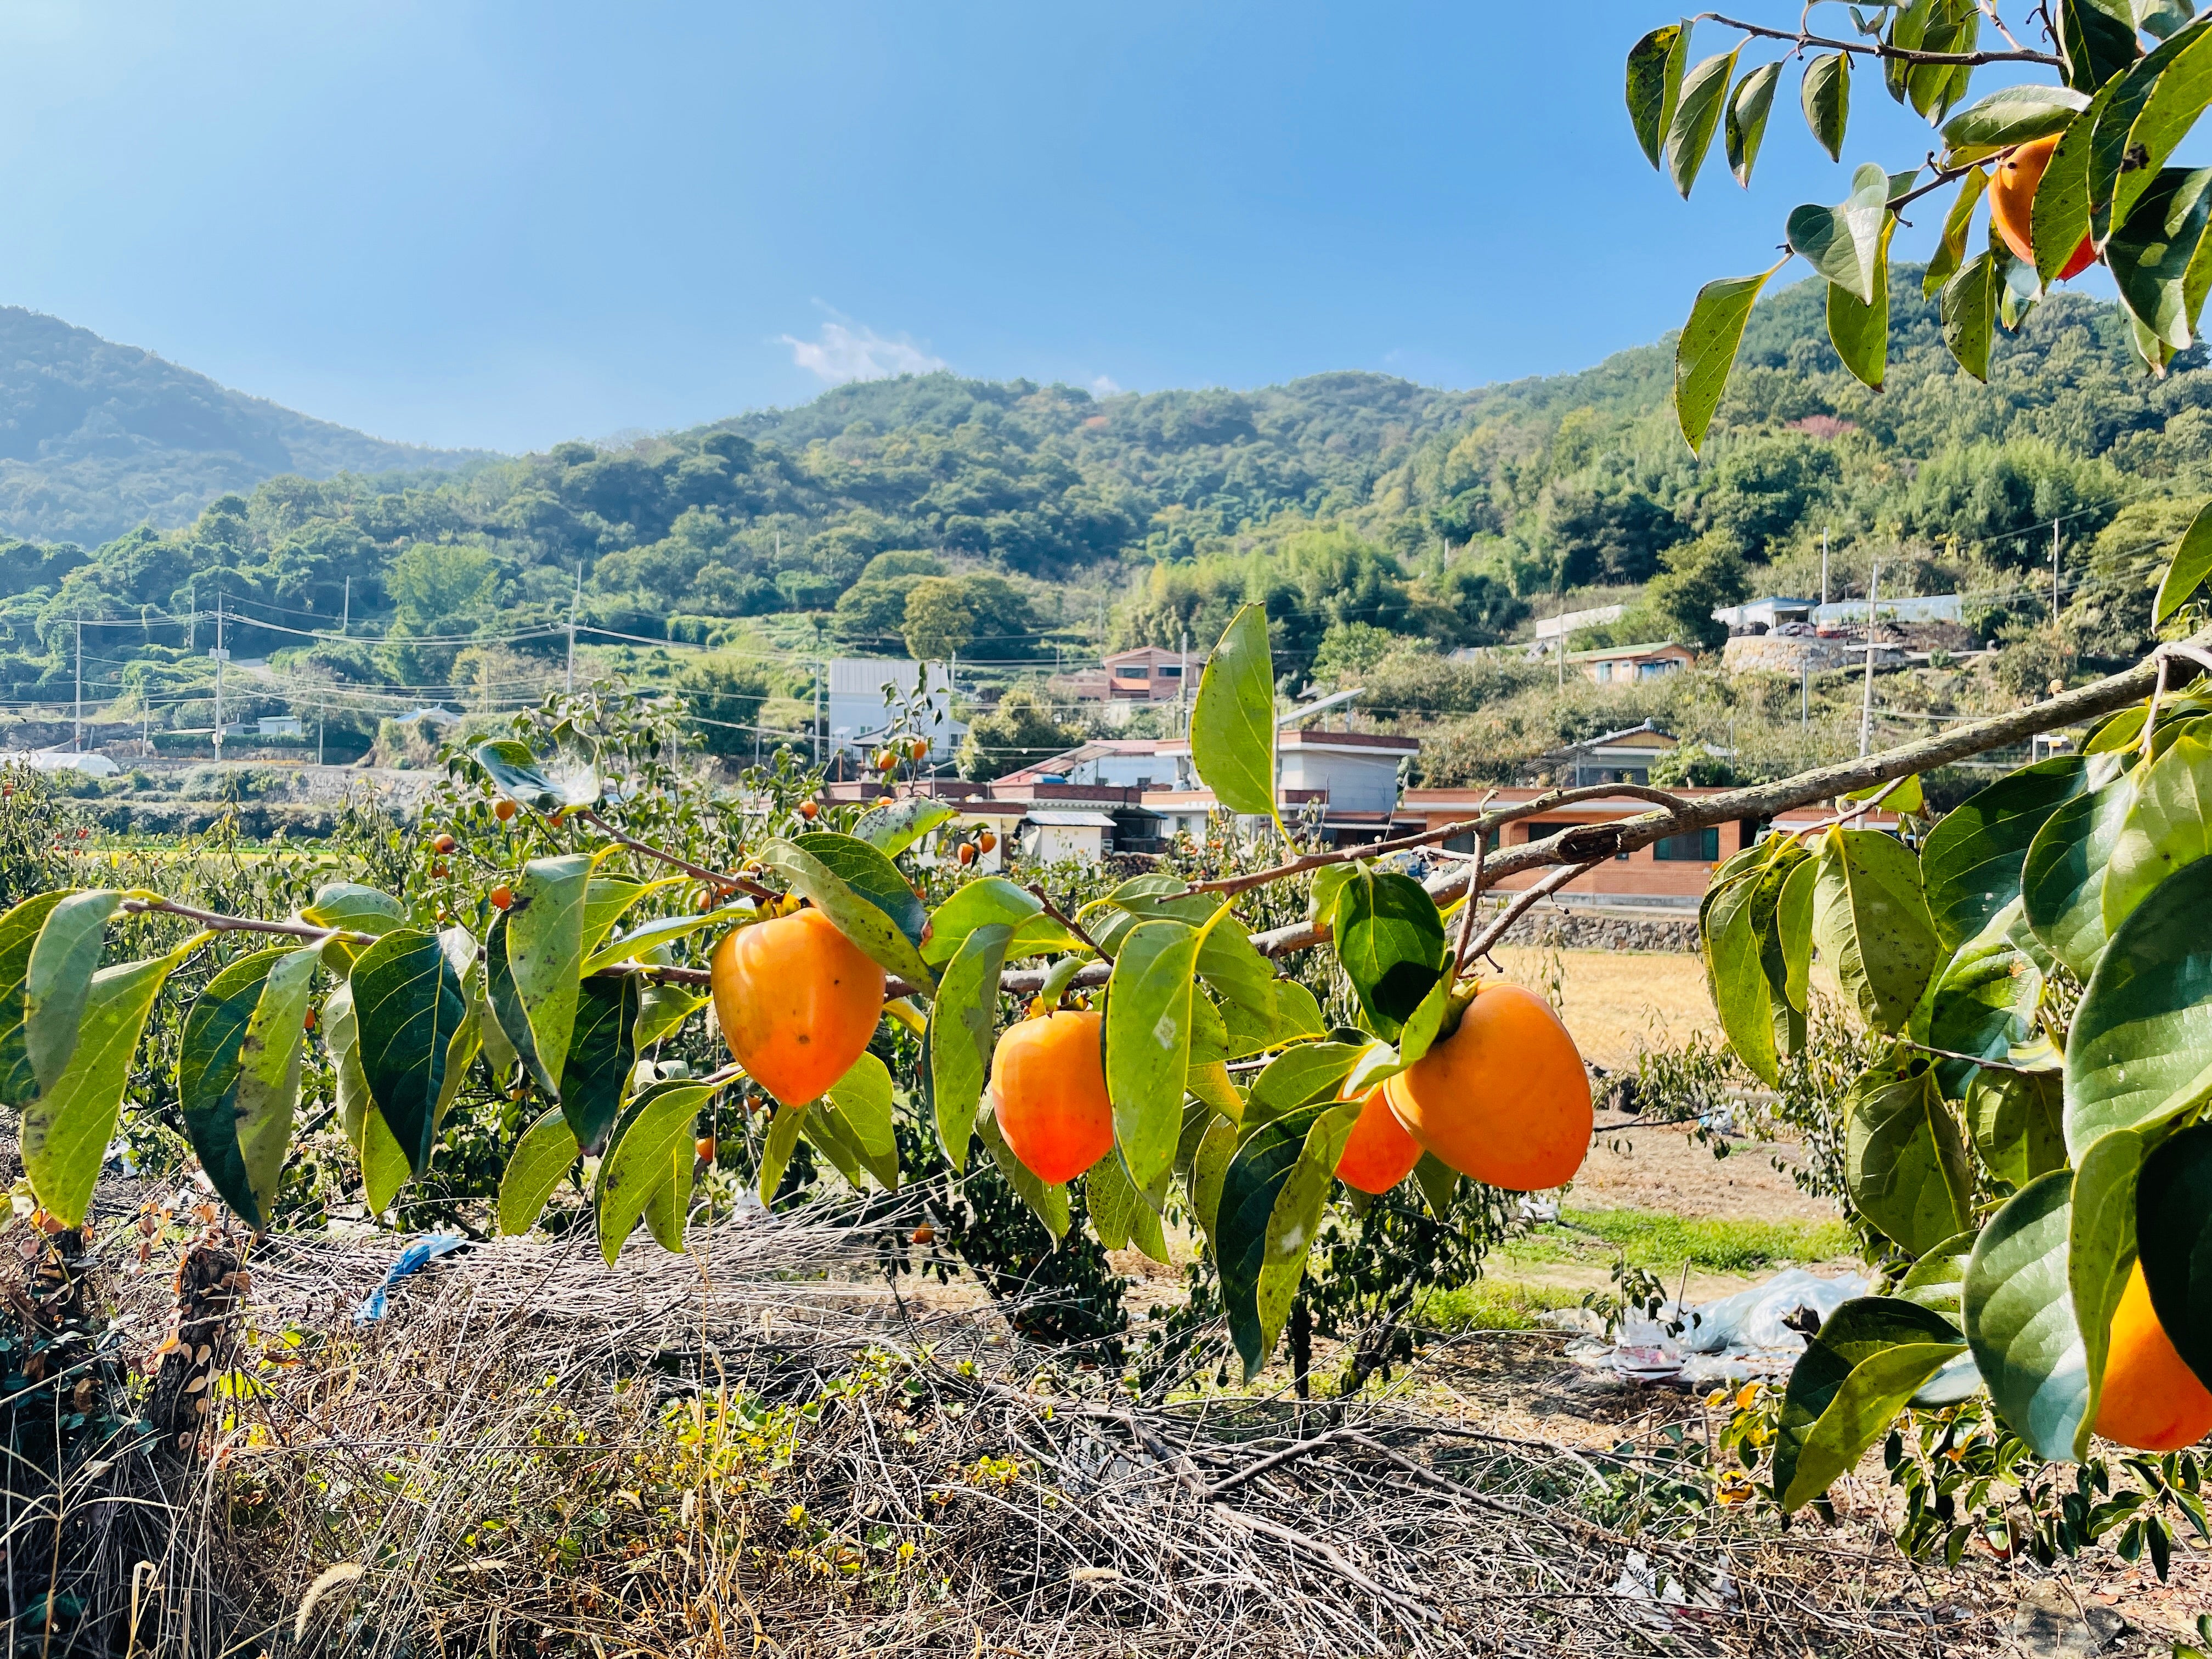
x=1490 y=1304
x=1650 y=1239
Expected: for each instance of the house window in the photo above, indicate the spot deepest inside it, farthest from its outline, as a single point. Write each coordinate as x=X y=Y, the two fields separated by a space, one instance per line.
x=1130 y=671
x=1465 y=843
x=1691 y=847
x=1544 y=831
x=1652 y=670
x=1169 y=671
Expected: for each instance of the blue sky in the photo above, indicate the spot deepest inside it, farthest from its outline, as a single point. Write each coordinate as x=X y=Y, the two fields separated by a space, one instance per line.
x=503 y=225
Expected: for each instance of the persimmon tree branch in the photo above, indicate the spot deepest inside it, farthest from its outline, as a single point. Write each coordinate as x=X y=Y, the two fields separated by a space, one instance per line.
x=735 y=883
x=216 y=922
x=1800 y=39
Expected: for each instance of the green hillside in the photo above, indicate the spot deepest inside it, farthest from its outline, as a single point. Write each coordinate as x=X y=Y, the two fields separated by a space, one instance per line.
x=97 y=438
x=1017 y=524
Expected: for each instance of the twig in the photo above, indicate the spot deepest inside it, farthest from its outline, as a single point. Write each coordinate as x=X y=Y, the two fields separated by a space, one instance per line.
x=1472 y=903
x=736 y=884
x=216 y=922
x=1976 y=1060
x=1066 y=921
x=1521 y=904
x=1800 y=39
x=1859 y=811
x=1274 y=1460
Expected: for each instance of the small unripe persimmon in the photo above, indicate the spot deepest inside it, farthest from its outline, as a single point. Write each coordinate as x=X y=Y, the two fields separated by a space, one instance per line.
x=918 y=749
x=501 y=896
x=925 y=1234
x=308 y=1024
x=706 y=899
x=444 y=844
x=808 y=811
x=502 y=809
x=887 y=761
x=705 y=1148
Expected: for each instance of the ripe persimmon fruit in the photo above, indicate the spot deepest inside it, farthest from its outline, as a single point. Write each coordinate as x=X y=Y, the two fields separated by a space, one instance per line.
x=502 y=809
x=967 y=854
x=501 y=896
x=1505 y=1099
x=797 y=1002
x=1379 y=1153
x=807 y=809
x=2151 y=1400
x=2012 y=204
x=444 y=844
x=1048 y=1075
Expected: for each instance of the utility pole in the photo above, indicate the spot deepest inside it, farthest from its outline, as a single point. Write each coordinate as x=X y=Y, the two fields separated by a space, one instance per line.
x=1804 y=696
x=345 y=613
x=575 y=600
x=220 y=656
x=322 y=725
x=1182 y=686
x=80 y=685
x=1558 y=627
x=1866 y=701
x=1823 y=564
x=2058 y=634
x=821 y=668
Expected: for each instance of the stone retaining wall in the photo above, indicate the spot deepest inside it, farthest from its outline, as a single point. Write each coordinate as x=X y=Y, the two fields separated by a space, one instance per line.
x=1582 y=930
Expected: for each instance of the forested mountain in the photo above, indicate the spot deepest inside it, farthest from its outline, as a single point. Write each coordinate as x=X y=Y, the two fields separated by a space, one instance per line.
x=942 y=513
x=97 y=438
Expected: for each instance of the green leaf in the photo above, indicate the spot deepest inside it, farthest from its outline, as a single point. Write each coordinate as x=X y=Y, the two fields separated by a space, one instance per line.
x=962 y=1025
x=544 y=957
x=1148 y=1028
x=1439 y=1184
x=2168 y=826
x=660 y=1010
x=2101 y=1253
x=1735 y=975
x=2019 y=1123
x=1968 y=310
x=776 y=1148
x=650 y=1150
x=1950 y=255
x=1871 y=923
x=2191 y=565
x=383 y=1165
x=1254 y=1179
x=268 y=1087
x=862 y=1102
x=1654 y=81
x=1986 y=1001
x=1870 y=1357
x=1108 y=1196
x=2139 y=1053
x=1842 y=242
x=2173 y=1224
x=2177 y=99
x=65 y=1132
x=1706 y=350
x=605 y=900
x=1905 y=1161
x=986 y=900
x=1746 y=127
x=1793 y=923
x=1391 y=942
x=1328 y=881
x=894 y=826
x=1209 y=1169
x=547 y=1152
x=1825 y=94
x=512 y=769
x=2058 y=218
x=1232 y=968
x=1312 y=1070
x=639 y=944
x=354 y=909
x=207 y=1064
x=58 y=982
x=19 y=936
x=1972 y=860
x=2006 y=117
x=2019 y=1318
x=878 y=935
x=1938 y=1280
x=407 y=1003
x=2097 y=38
x=1294 y=1220
x=1860 y=332
x=501 y=996
x=1047 y=1203
x=2119 y=102
x=602 y=1055
x=1697 y=114
x=869 y=873
x=1933 y=88
x=2150 y=254
x=2062 y=882
x=1232 y=725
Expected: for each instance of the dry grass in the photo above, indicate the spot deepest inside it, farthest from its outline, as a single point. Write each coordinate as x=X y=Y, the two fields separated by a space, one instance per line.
x=757 y=1448
x=1618 y=1003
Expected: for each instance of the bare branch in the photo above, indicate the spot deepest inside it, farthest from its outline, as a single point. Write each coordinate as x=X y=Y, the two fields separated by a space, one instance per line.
x=1799 y=39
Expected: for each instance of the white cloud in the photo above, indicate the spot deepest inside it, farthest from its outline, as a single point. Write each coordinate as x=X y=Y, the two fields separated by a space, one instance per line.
x=1104 y=385
x=846 y=351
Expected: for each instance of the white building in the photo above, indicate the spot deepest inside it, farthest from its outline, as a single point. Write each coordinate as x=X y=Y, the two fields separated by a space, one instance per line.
x=854 y=713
